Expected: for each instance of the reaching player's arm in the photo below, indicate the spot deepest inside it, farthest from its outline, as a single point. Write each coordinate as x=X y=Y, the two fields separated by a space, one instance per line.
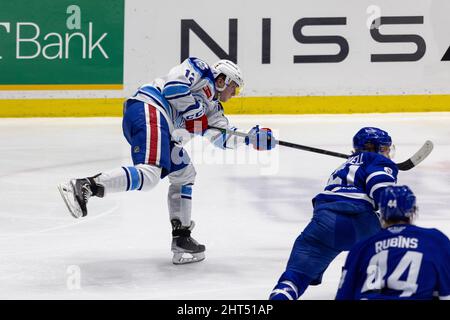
x=259 y=138
x=226 y=136
x=380 y=175
x=222 y=139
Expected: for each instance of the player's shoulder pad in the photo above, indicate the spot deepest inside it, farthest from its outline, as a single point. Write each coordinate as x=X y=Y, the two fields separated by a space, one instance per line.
x=432 y=234
x=376 y=159
x=438 y=235
x=201 y=67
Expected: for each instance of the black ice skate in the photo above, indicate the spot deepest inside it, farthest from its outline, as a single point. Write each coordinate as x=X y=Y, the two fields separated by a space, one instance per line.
x=185 y=249
x=77 y=192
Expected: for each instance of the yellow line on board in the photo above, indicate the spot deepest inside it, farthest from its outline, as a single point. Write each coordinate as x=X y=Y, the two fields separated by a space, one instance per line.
x=61 y=108
x=21 y=87
x=239 y=105
x=337 y=104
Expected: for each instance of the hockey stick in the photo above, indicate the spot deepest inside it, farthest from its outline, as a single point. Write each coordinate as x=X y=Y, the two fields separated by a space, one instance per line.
x=413 y=161
x=417 y=157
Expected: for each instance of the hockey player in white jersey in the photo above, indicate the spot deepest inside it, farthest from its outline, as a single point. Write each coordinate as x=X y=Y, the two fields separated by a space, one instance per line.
x=188 y=97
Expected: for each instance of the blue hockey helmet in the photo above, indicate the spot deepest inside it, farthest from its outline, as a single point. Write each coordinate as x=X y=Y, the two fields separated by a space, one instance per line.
x=397 y=203
x=371 y=139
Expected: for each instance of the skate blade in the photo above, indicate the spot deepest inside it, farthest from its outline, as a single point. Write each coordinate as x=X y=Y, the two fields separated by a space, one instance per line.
x=66 y=192
x=184 y=258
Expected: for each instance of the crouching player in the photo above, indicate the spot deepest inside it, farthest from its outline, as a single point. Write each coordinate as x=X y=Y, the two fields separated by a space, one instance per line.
x=402 y=261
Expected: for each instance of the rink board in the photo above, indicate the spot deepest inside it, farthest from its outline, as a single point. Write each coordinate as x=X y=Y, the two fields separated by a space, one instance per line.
x=243 y=105
x=330 y=56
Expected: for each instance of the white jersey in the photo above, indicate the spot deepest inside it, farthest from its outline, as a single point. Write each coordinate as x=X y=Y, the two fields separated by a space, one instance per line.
x=187 y=92
x=188 y=87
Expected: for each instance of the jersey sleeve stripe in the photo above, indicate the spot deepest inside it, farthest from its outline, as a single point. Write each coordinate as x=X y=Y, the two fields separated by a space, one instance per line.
x=380 y=185
x=353 y=195
x=283 y=292
x=292 y=285
x=170 y=83
x=171 y=91
x=377 y=173
x=178 y=96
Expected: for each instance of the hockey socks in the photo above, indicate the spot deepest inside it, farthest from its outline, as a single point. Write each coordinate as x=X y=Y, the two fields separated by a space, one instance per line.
x=140 y=177
x=290 y=286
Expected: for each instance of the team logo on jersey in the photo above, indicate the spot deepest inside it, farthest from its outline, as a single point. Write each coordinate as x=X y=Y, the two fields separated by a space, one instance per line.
x=396 y=229
x=201 y=64
x=207 y=91
x=388 y=170
x=136 y=149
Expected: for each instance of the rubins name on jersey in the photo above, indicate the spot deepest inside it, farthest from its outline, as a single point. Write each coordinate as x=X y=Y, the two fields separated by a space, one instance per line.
x=397 y=242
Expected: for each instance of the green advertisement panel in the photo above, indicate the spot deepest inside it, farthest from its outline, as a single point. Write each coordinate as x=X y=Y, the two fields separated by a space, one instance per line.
x=49 y=43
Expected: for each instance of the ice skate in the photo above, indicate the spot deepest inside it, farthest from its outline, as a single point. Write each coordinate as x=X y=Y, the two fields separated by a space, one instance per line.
x=76 y=194
x=185 y=248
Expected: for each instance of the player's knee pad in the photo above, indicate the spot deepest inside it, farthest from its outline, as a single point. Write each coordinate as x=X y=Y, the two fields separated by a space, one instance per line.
x=183 y=176
x=150 y=175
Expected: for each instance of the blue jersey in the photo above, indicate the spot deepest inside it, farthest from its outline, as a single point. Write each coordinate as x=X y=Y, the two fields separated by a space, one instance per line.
x=400 y=262
x=359 y=180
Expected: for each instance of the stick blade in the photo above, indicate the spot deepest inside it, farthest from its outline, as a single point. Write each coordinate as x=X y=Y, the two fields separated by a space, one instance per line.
x=418 y=157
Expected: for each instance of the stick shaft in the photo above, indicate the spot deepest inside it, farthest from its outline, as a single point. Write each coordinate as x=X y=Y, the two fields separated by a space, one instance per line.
x=288 y=144
x=312 y=149
x=406 y=165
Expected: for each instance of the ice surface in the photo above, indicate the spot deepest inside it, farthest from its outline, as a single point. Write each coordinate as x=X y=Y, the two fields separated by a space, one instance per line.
x=249 y=207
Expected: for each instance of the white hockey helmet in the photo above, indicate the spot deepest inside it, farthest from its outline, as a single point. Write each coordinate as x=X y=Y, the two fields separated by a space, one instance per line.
x=231 y=71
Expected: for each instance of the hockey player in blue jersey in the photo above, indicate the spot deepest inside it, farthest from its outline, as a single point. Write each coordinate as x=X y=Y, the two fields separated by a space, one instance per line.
x=402 y=261
x=188 y=98
x=344 y=213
